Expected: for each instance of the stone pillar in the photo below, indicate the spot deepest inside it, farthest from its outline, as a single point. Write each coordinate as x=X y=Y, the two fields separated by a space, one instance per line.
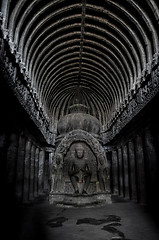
x=32 y=172
x=3 y=161
x=46 y=172
x=109 y=169
x=41 y=172
x=126 y=172
x=115 y=172
x=51 y=155
x=120 y=164
x=36 y=171
x=132 y=162
x=141 y=181
x=27 y=171
x=3 y=140
x=151 y=167
x=11 y=163
x=20 y=168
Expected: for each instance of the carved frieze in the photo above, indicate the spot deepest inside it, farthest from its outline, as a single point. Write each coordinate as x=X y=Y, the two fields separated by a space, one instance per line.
x=143 y=95
x=80 y=135
x=22 y=89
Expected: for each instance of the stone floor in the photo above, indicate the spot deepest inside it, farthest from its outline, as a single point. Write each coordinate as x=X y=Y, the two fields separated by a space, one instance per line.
x=119 y=220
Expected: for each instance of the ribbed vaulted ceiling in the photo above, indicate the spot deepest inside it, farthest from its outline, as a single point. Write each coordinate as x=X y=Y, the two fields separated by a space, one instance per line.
x=103 y=46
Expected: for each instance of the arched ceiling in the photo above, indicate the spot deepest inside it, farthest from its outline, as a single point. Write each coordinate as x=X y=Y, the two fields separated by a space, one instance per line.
x=103 y=46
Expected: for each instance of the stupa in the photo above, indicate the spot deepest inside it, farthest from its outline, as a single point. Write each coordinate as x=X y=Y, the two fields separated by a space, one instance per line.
x=80 y=175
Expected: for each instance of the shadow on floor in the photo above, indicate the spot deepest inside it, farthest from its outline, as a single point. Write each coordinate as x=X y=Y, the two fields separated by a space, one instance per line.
x=32 y=221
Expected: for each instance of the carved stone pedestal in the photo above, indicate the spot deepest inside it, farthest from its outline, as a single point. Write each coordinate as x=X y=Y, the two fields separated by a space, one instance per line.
x=79 y=200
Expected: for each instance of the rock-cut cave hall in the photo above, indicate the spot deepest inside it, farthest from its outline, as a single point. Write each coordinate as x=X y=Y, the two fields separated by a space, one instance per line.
x=79 y=130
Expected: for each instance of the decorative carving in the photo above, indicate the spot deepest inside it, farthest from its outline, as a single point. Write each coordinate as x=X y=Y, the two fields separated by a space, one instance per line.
x=142 y=96
x=80 y=135
x=22 y=90
x=84 y=165
x=103 y=175
x=57 y=174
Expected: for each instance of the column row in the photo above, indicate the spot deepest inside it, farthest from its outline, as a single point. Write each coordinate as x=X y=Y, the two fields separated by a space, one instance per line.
x=135 y=168
x=25 y=167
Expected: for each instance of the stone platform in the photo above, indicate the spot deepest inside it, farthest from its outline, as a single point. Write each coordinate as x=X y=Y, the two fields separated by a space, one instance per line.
x=79 y=200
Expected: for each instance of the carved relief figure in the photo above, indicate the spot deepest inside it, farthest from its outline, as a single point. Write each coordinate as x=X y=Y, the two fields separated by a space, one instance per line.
x=102 y=174
x=80 y=165
x=57 y=173
x=79 y=169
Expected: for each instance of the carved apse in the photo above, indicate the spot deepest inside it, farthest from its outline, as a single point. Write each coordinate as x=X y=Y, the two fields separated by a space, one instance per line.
x=80 y=173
